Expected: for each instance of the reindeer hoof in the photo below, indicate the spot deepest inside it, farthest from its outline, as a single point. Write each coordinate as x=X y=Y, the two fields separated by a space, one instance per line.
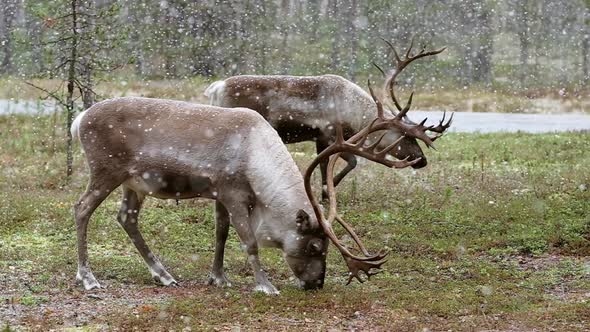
x=267 y=289
x=218 y=281
x=88 y=281
x=165 y=280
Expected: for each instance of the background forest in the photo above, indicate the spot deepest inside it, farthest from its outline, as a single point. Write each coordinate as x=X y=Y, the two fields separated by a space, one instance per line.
x=491 y=43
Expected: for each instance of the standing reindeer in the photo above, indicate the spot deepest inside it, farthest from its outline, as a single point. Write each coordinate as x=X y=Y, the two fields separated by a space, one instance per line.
x=306 y=108
x=172 y=149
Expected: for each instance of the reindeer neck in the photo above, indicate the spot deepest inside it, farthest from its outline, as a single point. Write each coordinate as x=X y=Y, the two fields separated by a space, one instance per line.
x=278 y=187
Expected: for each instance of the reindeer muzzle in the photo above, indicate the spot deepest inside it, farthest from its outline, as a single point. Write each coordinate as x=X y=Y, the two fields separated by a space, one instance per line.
x=422 y=163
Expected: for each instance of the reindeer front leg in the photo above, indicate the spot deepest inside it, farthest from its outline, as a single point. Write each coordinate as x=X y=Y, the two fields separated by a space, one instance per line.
x=351 y=164
x=321 y=144
x=240 y=219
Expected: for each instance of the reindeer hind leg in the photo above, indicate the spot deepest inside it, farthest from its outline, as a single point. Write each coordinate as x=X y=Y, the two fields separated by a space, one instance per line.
x=217 y=276
x=128 y=219
x=95 y=194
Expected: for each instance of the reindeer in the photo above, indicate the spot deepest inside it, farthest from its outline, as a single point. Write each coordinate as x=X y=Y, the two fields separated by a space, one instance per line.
x=305 y=108
x=172 y=149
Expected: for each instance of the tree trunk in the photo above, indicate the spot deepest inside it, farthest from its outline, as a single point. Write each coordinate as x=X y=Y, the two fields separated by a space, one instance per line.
x=335 y=55
x=261 y=37
x=9 y=17
x=87 y=60
x=352 y=34
x=71 y=85
x=586 y=45
x=284 y=14
x=35 y=32
x=169 y=45
x=523 y=36
x=135 y=17
x=314 y=15
x=483 y=57
x=585 y=51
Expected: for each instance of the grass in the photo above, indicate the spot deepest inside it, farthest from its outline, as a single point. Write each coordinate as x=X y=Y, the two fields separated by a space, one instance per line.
x=493 y=234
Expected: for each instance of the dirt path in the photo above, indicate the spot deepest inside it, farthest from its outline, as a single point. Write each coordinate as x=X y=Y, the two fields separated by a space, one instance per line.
x=73 y=307
x=69 y=306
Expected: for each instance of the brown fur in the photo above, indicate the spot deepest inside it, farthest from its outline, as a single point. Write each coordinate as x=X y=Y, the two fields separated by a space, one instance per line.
x=173 y=149
x=305 y=108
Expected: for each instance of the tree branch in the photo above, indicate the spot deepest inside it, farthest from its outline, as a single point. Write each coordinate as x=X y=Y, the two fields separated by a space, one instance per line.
x=49 y=93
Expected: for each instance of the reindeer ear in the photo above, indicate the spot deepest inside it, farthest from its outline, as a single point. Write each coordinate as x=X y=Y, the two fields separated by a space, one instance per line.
x=303 y=222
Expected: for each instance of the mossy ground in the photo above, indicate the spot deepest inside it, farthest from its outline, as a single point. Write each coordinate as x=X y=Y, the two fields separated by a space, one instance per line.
x=493 y=235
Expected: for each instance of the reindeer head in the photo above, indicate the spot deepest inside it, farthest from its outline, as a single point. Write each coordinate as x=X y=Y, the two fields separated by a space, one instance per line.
x=306 y=251
x=364 y=144
x=408 y=147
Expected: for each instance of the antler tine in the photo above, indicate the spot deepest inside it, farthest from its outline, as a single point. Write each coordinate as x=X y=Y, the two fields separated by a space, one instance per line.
x=362 y=136
x=339 y=134
x=379 y=68
x=355 y=267
x=406 y=108
x=410 y=48
x=404 y=162
x=373 y=145
x=391 y=146
x=380 y=113
x=396 y=163
x=424 y=54
x=392 y=48
x=441 y=125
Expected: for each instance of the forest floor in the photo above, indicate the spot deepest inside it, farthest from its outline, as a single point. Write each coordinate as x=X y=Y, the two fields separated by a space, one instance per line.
x=456 y=99
x=493 y=235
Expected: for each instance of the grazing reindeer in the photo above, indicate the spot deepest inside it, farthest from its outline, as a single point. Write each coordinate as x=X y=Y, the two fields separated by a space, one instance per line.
x=172 y=149
x=306 y=108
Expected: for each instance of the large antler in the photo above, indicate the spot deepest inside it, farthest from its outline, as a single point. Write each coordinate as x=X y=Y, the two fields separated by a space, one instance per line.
x=390 y=82
x=359 y=146
x=365 y=261
x=355 y=145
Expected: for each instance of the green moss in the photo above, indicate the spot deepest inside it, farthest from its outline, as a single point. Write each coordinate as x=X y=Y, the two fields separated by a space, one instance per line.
x=455 y=229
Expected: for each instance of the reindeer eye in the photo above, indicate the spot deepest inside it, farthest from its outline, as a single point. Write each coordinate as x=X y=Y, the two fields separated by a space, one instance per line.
x=315 y=246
